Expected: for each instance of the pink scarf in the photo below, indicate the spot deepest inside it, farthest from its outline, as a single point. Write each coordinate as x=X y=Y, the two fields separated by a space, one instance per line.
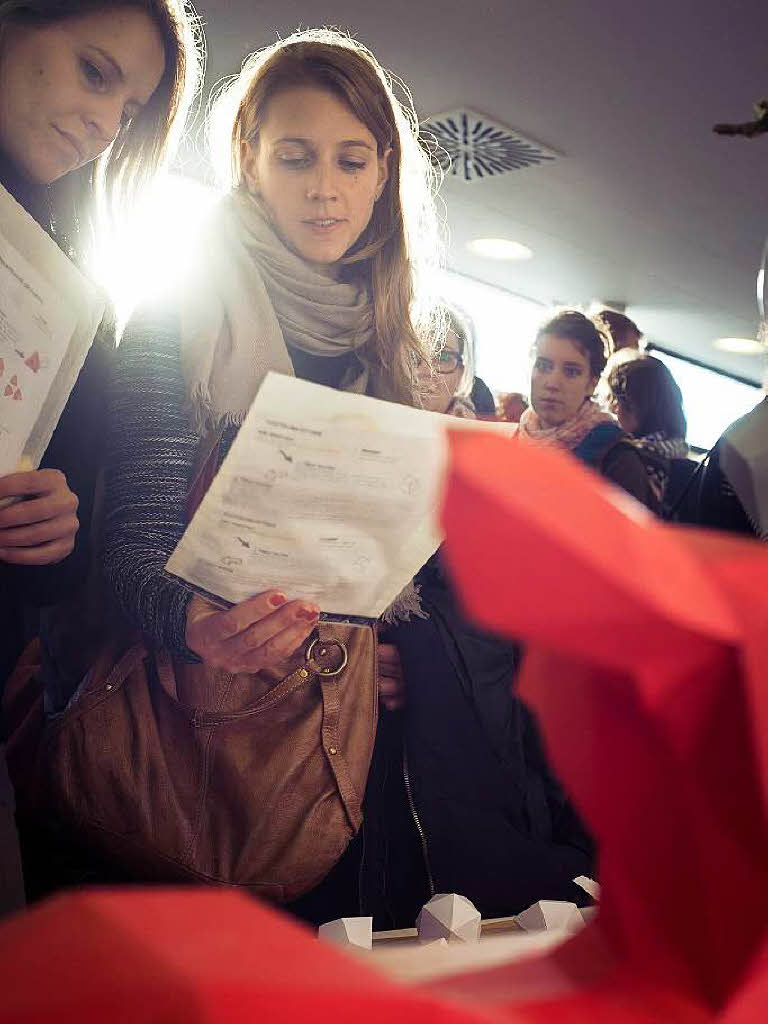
x=568 y=434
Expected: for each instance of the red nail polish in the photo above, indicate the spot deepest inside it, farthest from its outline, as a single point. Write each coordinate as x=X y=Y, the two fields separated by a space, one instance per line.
x=308 y=614
x=277 y=600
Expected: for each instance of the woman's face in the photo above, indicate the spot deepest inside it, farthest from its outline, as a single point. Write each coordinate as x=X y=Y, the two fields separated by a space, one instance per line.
x=316 y=167
x=560 y=381
x=66 y=87
x=436 y=385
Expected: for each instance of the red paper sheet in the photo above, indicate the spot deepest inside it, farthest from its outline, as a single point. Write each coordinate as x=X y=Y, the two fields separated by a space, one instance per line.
x=648 y=669
x=188 y=956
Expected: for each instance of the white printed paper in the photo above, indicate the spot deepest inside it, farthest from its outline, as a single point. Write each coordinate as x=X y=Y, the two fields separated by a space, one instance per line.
x=48 y=316
x=328 y=496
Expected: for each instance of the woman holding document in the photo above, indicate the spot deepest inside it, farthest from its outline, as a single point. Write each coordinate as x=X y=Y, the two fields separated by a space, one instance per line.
x=312 y=266
x=308 y=269
x=91 y=96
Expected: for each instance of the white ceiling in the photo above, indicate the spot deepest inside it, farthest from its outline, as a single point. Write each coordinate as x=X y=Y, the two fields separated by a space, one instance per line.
x=647 y=206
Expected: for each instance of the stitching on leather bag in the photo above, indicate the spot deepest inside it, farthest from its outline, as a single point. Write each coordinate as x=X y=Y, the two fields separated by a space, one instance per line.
x=295 y=681
x=197 y=830
x=125 y=840
x=198 y=826
x=91 y=699
x=164 y=666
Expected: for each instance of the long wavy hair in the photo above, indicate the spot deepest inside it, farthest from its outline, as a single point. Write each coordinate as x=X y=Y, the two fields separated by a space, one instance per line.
x=110 y=184
x=400 y=250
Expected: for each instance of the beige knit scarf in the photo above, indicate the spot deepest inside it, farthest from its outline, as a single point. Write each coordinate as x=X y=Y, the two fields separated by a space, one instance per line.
x=248 y=299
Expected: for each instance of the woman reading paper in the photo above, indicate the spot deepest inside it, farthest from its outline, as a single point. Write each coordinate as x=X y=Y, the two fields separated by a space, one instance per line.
x=91 y=93
x=311 y=266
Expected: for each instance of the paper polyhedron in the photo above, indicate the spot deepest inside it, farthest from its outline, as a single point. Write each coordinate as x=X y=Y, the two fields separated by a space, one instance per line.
x=349 y=931
x=449 y=916
x=589 y=885
x=547 y=915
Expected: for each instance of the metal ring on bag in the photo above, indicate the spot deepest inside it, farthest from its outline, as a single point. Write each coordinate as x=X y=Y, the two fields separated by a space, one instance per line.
x=320 y=669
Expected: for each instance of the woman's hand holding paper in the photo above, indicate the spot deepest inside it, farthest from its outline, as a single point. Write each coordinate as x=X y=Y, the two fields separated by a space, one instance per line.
x=38 y=517
x=256 y=634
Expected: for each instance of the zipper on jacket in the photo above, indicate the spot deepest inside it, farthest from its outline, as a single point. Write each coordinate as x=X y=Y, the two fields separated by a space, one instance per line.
x=417 y=822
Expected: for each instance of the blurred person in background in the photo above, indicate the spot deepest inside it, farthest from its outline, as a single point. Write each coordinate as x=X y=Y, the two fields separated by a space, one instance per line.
x=512 y=406
x=732 y=493
x=569 y=356
x=623 y=332
x=645 y=398
x=446 y=384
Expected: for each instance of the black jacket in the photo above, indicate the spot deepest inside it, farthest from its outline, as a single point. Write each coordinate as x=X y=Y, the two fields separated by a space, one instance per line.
x=497 y=826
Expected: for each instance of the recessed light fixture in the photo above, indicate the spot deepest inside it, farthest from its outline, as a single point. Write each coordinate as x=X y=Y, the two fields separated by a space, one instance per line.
x=499 y=249
x=739 y=346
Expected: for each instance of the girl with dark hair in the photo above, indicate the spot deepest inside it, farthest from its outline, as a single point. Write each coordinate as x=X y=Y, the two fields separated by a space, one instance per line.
x=92 y=96
x=645 y=398
x=570 y=354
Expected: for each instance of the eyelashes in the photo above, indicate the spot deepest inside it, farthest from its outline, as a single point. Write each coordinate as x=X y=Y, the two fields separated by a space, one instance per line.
x=92 y=74
x=301 y=163
x=545 y=366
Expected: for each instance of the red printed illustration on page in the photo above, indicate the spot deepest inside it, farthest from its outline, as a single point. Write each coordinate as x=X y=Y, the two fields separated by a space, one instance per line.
x=12 y=389
x=36 y=327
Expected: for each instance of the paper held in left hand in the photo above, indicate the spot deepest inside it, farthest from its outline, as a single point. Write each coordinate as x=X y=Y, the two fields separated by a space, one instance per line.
x=49 y=313
x=325 y=495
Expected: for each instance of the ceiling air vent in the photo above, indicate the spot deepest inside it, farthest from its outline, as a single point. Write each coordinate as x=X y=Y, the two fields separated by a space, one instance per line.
x=472 y=147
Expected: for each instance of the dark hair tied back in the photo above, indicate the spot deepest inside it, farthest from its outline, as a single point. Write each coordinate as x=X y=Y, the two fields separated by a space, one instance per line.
x=584 y=333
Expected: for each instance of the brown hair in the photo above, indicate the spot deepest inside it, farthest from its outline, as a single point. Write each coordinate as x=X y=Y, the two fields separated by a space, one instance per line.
x=402 y=235
x=648 y=389
x=623 y=332
x=584 y=333
x=143 y=144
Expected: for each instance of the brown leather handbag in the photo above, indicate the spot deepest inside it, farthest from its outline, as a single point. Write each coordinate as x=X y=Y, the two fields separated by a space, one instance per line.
x=183 y=772
x=179 y=771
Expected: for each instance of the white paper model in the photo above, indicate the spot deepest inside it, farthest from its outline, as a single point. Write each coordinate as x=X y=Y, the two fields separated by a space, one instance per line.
x=349 y=931
x=589 y=885
x=328 y=496
x=547 y=915
x=449 y=916
x=49 y=314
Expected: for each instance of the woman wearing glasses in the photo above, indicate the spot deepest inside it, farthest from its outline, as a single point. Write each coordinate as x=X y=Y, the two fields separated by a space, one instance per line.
x=447 y=385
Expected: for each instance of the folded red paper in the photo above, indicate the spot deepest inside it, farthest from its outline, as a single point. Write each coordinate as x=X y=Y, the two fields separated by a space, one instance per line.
x=188 y=956
x=647 y=666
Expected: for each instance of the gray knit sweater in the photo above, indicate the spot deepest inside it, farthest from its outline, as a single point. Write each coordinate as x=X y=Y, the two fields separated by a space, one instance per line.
x=150 y=454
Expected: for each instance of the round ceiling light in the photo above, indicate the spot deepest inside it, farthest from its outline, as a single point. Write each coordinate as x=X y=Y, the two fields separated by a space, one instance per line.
x=499 y=249
x=739 y=346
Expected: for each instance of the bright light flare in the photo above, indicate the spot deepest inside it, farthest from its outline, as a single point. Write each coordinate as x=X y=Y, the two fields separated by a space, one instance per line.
x=151 y=255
